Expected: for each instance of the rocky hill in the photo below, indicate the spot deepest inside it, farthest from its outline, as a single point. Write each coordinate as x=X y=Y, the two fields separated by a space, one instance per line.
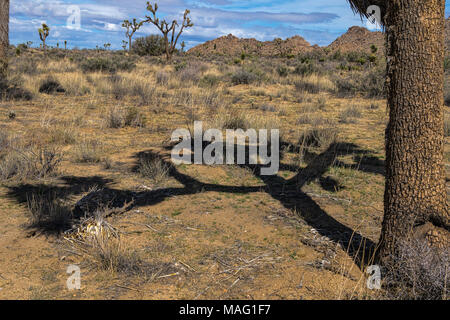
x=355 y=39
x=358 y=39
x=232 y=46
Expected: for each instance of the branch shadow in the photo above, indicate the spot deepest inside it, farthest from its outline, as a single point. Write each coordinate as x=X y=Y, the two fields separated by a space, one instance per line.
x=287 y=191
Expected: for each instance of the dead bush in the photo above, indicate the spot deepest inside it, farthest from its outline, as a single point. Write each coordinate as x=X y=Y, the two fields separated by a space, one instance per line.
x=30 y=163
x=153 y=167
x=417 y=272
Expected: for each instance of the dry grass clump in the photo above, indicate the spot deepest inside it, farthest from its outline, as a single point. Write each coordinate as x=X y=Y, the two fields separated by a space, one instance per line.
x=350 y=115
x=118 y=117
x=88 y=151
x=154 y=168
x=162 y=78
x=103 y=247
x=313 y=119
x=48 y=213
x=314 y=84
x=318 y=137
x=417 y=272
x=29 y=162
x=62 y=135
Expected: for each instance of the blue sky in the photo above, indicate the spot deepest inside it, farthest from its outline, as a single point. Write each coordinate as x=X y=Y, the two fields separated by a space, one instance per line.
x=318 y=21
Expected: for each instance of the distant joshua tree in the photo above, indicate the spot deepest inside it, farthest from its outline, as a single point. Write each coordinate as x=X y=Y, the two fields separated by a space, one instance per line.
x=415 y=191
x=107 y=46
x=65 y=44
x=183 y=46
x=43 y=34
x=124 y=45
x=132 y=27
x=169 y=29
x=4 y=38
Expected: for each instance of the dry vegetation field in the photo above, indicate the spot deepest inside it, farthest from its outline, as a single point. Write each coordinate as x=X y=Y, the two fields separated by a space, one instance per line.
x=94 y=138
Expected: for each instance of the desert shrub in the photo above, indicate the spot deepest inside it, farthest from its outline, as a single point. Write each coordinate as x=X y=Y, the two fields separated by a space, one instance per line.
x=145 y=93
x=243 y=77
x=48 y=213
x=115 y=118
x=350 y=114
x=369 y=83
x=313 y=84
x=447 y=125
x=9 y=90
x=29 y=163
x=357 y=57
x=318 y=137
x=50 y=85
x=26 y=66
x=209 y=80
x=119 y=90
x=105 y=64
x=62 y=136
x=212 y=99
x=180 y=66
x=162 y=78
x=134 y=118
x=282 y=71
x=235 y=120
x=306 y=69
x=153 y=167
x=268 y=107
x=152 y=45
x=118 y=117
x=88 y=151
x=191 y=72
x=447 y=91
x=417 y=272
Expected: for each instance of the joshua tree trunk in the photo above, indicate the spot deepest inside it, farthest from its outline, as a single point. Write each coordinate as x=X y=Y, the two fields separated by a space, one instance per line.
x=130 y=46
x=415 y=190
x=4 y=37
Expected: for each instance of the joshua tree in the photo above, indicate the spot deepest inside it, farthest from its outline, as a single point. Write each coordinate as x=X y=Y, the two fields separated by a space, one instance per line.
x=43 y=34
x=124 y=45
x=168 y=28
x=415 y=190
x=107 y=46
x=132 y=27
x=65 y=44
x=183 y=45
x=4 y=38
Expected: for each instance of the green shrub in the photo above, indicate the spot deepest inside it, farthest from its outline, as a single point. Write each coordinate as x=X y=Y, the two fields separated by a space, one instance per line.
x=243 y=77
x=152 y=45
x=110 y=65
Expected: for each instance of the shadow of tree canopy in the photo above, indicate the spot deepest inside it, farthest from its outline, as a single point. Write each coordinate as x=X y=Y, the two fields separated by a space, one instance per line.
x=287 y=191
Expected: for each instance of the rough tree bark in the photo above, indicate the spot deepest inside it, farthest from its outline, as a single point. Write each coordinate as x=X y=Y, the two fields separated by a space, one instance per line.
x=415 y=191
x=4 y=37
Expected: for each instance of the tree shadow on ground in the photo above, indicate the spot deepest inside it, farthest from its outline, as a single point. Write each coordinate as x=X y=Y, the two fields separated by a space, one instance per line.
x=287 y=191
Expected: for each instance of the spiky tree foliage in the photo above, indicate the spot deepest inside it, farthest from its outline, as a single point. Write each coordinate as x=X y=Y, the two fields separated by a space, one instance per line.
x=43 y=34
x=132 y=27
x=415 y=192
x=4 y=38
x=169 y=29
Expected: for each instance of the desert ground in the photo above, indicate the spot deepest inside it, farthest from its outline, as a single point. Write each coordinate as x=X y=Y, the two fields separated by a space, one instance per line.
x=93 y=140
